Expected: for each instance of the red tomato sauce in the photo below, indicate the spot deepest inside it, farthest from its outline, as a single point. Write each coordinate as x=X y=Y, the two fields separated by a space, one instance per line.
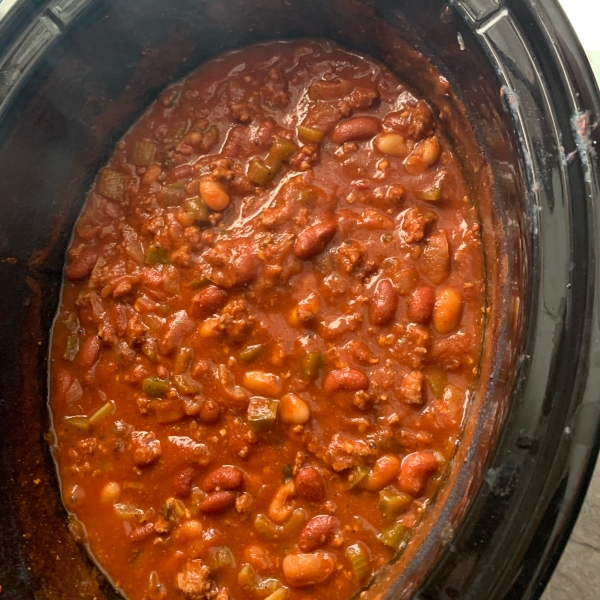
x=271 y=318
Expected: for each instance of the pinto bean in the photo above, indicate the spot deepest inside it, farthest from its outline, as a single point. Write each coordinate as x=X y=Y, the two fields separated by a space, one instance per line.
x=263 y=383
x=447 y=311
x=318 y=531
x=345 y=379
x=213 y=193
x=384 y=303
x=392 y=144
x=225 y=478
x=383 y=473
x=110 y=492
x=329 y=90
x=421 y=304
x=210 y=412
x=258 y=557
x=292 y=409
x=308 y=569
x=82 y=266
x=312 y=241
x=217 y=501
x=429 y=150
x=191 y=529
x=182 y=482
x=279 y=511
x=89 y=352
x=435 y=260
x=415 y=470
x=207 y=301
x=310 y=484
x=355 y=129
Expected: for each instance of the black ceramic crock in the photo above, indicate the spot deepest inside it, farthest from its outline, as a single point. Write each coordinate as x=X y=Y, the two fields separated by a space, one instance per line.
x=74 y=76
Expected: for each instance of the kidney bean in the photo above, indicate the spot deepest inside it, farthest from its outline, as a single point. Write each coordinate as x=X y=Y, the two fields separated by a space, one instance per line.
x=355 y=129
x=82 y=266
x=312 y=241
x=310 y=484
x=384 y=303
x=141 y=533
x=226 y=478
x=318 y=531
x=181 y=172
x=415 y=470
x=308 y=569
x=217 y=501
x=421 y=304
x=182 y=482
x=210 y=412
x=89 y=352
x=244 y=266
x=345 y=379
x=207 y=301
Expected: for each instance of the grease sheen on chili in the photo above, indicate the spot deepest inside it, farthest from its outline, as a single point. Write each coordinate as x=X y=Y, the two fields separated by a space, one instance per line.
x=271 y=317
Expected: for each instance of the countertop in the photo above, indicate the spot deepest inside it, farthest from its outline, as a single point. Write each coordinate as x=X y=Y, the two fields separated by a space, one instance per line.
x=577 y=576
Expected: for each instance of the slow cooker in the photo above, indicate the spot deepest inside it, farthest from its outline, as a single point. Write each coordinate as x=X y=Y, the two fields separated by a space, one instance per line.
x=74 y=76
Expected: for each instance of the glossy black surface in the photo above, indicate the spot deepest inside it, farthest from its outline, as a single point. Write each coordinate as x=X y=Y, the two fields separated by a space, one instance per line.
x=521 y=519
x=527 y=88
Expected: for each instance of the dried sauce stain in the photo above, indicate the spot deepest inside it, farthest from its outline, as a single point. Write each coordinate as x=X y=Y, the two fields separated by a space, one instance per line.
x=270 y=319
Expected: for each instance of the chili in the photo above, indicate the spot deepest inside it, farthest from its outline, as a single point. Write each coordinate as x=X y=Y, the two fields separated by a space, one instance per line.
x=271 y=318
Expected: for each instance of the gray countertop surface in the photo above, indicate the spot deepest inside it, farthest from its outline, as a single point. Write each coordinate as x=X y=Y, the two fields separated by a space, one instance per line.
x=577 y=576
